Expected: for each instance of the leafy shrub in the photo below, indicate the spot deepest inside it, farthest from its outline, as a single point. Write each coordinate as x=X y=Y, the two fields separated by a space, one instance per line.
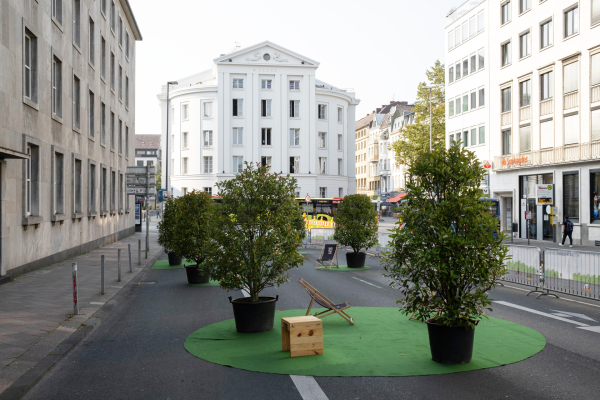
x=356 y=223
x=194 y=225
x=166 y=227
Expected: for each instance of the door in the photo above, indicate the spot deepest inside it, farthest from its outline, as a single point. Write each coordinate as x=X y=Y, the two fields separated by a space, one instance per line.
x=523 y=222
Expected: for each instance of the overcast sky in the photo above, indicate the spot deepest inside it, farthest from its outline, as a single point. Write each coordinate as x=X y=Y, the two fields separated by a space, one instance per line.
x=380 y=48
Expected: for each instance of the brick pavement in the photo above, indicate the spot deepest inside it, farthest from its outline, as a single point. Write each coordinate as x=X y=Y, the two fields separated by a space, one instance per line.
x=36 y=309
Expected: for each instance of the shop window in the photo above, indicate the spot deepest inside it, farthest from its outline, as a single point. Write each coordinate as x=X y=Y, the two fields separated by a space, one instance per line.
x=594 y=201
x=571 y=196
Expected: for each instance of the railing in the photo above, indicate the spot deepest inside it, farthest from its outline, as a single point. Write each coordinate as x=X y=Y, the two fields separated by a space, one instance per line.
x=573 y=272
x=506 y=118
x=524 y=266
x=546 y=107
x=571 y=100
x=525 y=113
x=567 y=153
x=596 y=94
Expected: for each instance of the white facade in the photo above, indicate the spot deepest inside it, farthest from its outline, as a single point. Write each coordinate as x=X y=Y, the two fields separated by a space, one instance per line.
x=545 y=112
x=260 y=104
x=398 y=170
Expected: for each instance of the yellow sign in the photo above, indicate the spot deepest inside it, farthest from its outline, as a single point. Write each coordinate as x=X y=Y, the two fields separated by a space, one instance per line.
x=318 y=221
x=544 y=201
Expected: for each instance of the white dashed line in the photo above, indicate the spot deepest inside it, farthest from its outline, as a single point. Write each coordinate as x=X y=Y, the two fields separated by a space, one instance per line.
x=97 y=303
x=308 y=387
x=531 y=310
x=368 y=283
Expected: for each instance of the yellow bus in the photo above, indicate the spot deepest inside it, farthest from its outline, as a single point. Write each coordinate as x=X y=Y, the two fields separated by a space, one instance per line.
x=319 y=212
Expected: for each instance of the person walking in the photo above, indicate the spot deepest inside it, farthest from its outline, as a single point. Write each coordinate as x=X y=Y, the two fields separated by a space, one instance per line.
x=567 y=231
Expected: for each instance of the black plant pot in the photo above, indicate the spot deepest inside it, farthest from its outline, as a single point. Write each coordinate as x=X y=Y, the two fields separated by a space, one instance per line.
x=174 y=259
x=356 y=260
x=196 y=275
x=254 y=317
x=450 y=344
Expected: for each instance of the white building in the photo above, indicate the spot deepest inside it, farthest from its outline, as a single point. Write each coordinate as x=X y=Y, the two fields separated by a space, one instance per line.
x=399 y=170
x=260 y=104
x=468 y=79
x=545 y=113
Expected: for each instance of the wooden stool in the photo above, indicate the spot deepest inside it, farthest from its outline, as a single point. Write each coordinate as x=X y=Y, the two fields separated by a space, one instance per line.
x=302 y=336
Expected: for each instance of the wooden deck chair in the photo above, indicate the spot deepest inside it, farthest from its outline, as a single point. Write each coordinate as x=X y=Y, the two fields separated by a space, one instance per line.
x=328 y=254
x=323 y=301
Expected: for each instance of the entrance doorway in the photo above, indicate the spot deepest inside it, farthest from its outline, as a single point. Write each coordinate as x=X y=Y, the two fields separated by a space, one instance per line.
x=539 y=227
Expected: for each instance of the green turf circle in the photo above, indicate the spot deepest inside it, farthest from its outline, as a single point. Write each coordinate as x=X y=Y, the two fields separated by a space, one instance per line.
x=164 y=264
x=210 y=283
x=383 y=342
x=342 y=268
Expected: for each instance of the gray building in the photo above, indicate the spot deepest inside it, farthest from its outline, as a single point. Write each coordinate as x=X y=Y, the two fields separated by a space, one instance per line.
x=67 y=124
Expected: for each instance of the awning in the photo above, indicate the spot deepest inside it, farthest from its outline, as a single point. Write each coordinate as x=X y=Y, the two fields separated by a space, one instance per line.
x=385 y=203
x=397 y=198
x=6 y=154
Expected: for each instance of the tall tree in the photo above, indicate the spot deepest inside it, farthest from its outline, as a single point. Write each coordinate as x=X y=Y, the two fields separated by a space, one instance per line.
x=415 y=138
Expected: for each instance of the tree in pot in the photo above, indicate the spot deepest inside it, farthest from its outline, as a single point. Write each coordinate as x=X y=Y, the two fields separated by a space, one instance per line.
x=193 y=233
x=256 y=242
x=167 y=232
x=448 y=254
x=356 y=227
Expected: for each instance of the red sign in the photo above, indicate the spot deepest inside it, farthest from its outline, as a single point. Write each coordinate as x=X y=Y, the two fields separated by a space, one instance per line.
x=512 y=161
x=528 y=215
x=74 y=290
x=307 y=198
x=487 y=165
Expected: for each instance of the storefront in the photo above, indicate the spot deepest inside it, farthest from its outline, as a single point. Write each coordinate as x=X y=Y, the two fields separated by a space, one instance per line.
x=540 y=226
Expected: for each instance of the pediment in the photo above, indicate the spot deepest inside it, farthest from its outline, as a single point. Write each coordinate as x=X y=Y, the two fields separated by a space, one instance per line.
x=266 y=54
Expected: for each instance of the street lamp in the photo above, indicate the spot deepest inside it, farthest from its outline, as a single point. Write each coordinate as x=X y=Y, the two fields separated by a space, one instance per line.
x=168 y=112
x=430 y=121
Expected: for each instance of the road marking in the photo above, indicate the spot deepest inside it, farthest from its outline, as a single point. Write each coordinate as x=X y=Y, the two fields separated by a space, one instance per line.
x=531 y=310
x=368 y=283
x=308 y=387
x=590 y=328
x=571 y=314
x=561 y=298
x=97 y=303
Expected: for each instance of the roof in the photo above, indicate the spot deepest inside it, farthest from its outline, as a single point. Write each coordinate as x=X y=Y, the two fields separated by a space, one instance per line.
x=385 y=122
x=131 y=19
x=270 y=44
x=364 y=122
x=147 y=141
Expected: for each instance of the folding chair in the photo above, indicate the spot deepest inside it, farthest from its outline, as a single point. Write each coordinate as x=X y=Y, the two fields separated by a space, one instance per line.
x=323 y=301
x=328 y=253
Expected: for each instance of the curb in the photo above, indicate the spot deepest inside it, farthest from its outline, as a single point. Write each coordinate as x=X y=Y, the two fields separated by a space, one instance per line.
x=29 y=379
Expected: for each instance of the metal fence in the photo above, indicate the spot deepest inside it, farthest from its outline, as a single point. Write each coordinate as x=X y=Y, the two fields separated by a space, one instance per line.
x=574 y=272
x=525 y=266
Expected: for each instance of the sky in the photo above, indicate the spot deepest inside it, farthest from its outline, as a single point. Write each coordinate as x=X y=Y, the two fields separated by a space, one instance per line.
x=379 y=48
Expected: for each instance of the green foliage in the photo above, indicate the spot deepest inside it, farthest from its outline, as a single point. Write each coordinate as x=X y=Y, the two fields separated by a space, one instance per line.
x=256 y=242
x=166 y=227
x=593 y=279
x=194 y=226
x=298 y=222
x=550 y=273
x=415 y=137
x=356 y=223
x=520 y=267
x=158 y=178
x=446 y=257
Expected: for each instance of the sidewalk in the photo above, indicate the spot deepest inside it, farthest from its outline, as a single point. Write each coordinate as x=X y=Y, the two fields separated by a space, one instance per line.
x=36 y=309
x=544 y=244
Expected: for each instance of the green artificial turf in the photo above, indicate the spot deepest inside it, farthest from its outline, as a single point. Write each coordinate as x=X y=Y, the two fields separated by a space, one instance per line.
x=342 y=268
x=210 y=283
x=164 y=264
x=302 y=252
x=382 y=343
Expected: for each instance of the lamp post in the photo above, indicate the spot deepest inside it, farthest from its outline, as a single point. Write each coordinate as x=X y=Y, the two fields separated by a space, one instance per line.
x=430 y=121
x=167 y=152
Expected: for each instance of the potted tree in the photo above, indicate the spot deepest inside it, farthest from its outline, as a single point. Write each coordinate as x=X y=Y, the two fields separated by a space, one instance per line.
x=446 y=257
x=255 y=242
x=194 y=226
x=356 y=227
x=167 y=232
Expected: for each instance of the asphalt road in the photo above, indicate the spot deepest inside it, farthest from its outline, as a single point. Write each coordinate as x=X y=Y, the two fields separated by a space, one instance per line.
x=137 y=352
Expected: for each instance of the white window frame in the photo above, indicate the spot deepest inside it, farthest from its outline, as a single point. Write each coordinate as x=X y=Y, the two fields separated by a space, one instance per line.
x=340 y=115
x=239 y=108
x=237 y=83
x=207 y=164
x=322 y=137
x=207 y=139
x=294 y=85
x=238 y=137
x=550 y=23
x=265 y=108
x=185 y=111
x=575 y=9
x=527 y=42
x=322 y=112
x=294 y=137
x=266 y=84
x=207 y=110
x=508 y=13
x=238 y=164
x=322 y=165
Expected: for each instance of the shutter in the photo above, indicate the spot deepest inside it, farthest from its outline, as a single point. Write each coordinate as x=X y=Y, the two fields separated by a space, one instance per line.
x=525 y=138
x=596 y=61
x=547 y=134
x=595 y=12
x=572 y=129
x=596 y=124
x=571 y=78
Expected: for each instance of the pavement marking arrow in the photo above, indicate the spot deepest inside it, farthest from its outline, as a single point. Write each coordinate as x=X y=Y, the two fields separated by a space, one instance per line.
x=570 y=314
x=308 y=387
x=531 y=310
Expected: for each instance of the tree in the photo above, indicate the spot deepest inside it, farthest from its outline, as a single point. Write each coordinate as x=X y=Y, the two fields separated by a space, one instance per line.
x=415 y=137
x=356 y=223
x=158 y=178
x=167 y=227
x=193 y=226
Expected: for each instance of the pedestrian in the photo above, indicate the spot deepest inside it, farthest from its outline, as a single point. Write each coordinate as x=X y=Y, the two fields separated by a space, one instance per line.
x=567 y=231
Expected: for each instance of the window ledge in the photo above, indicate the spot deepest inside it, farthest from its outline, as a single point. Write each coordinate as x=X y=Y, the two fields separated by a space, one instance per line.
x=121 y=211
x=524 y=58
x=92 y=138
x=57 y=118
x=127 y=210
x=77 y=47
x=58 y=24
x=207 y=117
x=525 y=12
x=57 y=217
x=77 y=215
x=506 y=66
x=91 y=65
x=103 y=213
x=31 y=103
x=547 y=47
x=103 y=144
x=92 y=214
x=263 y=117
x=32 y=220
x=76 y=129
x=112 y=90
x=103 y=79
x=113 y=212
x=572 y=36
x=112 y=150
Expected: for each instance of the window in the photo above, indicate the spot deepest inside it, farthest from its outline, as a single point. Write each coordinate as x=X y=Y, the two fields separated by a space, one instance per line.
x=265 y=84
x=58 y=183
x=450 y=40
x=126 y=44
x=546 y=34
x=77 y=23
x=473 y=136
x=208 y=138
x=322 y=111
x=91 y=109
x=465 y=31
x=525 y=93
x=294 y=137
x=595 y=12
x=294 y=108
x=595 y=69
x=505 y=12
x=451 y=74
x=457 y=40
x=184 y=141
x=481 y=134
x=207 y=190
x=322 y=165
x=451 y=108
x=547 y=134
x=102 y=57
x=92 y=185
x=185 y=166
x=120 y=83
x=76 y=102
x=92 y=40
x=472 y=26
x=458 y=106
x=102 y=123
x=185 y=112
x=294 y=165
x=594 y=190
x=506 y=50
x=525 y=138
x=208 y=109
x=127 y=92
x=30 y=86
x=572 y=129
x=238 y=136
x=57 y=87
x=340 y=114
x=506 y=99
x=506 y=142
x=103 y=6
x=112 y=71
x=113 y=190
x=473 y=100
x=481 y=97
x=265 y=108
x=340 y=166
x=294 y=85
x=481 y=56
x=480 y=21
x=525 y=44
x=238 y=107
x=126 y=141
x=473 y=63
x=238 y=164
x=524 y=5
x=266 y=136
x=465 y=102
x=465 y=138
x=208 y=165
x=238 y=83
x=77 y=183
x=547 y=85
x=340 y=142
x=571 y=196
x=112 y=130
x=57 y=10
x=322 y=140
x=323 y=192
x=120 y=31
x=458 y=71
x=465 y=64
x=571 y=22
x=121 y=191
x=571 y=77
x=112 y=16
x=265 y=161
x=596 y=124
x=32 y=181
x=104 y=183
x=451 y=139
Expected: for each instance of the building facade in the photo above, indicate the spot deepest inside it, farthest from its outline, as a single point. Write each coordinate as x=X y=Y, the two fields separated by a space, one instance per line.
x=260 y=104
x=545 y=115
x=67 y=97
x=398 y=169
x=147 y=150
x=361 y=134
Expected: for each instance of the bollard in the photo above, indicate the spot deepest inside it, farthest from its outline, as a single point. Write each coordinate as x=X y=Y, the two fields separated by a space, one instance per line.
x=75 y=305
x=119 y=264
x=129 y=250
x=146 y=247
x=102 y=274
x=139 y=251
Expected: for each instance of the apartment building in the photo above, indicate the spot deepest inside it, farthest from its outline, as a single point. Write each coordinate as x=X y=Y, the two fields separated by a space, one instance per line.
x=361 y=134
x=147 y=150
x=545 y=114
x=67 y=104
x=398 y=169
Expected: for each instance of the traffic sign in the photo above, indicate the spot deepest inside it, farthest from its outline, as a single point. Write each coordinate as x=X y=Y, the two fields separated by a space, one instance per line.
x=528 y=215
x=140 y=190
x=141 y=170
x=140 y=180
x=307 y=198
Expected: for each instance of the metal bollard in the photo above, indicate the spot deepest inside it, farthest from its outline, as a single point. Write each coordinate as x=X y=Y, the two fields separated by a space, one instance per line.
x=147 y=242
x=75 y=305
x=119 y=264
x=102 y=274
x=129 y=250
x=139 y=251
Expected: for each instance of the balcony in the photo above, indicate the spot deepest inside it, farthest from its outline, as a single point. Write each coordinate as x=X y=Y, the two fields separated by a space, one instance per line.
x=525 y=113
x=374 y=159
x=506 y=118
x=596 y=94
x=565 y=154
x=546 y=107
x=571 y=100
